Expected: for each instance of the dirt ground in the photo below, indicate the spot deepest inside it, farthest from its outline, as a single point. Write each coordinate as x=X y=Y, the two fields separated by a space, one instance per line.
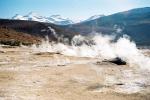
x=28 y=75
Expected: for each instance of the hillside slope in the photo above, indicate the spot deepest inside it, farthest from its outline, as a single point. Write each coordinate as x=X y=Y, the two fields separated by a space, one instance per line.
x=33 y=29
x=11 y=37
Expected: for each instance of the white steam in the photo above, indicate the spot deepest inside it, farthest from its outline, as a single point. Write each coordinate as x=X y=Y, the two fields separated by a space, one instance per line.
x=53 y=31
x=99 y=46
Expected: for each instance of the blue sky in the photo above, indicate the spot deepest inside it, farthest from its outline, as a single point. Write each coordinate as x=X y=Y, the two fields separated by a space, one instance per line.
x=74 y=9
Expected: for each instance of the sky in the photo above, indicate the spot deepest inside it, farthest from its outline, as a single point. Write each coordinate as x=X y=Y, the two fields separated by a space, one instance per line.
x=73 y=9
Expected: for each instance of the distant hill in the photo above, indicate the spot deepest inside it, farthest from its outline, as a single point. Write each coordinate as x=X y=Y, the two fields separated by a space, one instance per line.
x=135 y=23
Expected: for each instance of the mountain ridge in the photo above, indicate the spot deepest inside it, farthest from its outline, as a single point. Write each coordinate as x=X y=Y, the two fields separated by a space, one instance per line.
x=55 y=19
x=134 y=23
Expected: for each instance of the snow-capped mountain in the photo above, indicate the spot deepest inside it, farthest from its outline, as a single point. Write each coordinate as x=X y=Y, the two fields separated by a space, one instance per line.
x=55 y=19
x=35 y=17
x=18 y=17
x=94 y=17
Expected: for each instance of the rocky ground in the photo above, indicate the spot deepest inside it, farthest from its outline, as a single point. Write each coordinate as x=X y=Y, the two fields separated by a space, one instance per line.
x=28 y=75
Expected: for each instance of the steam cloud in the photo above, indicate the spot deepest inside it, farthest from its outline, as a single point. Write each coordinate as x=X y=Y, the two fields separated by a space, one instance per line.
x=101 y=47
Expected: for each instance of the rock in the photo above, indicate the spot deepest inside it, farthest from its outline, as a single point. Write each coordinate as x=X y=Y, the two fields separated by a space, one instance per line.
x=2 y=52
x=117 y=61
